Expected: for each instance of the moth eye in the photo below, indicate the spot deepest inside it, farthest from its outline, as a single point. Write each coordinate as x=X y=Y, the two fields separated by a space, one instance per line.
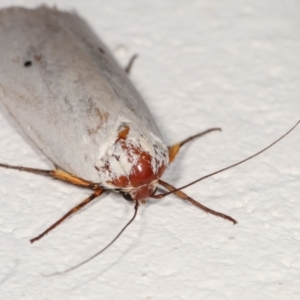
x=127 y=196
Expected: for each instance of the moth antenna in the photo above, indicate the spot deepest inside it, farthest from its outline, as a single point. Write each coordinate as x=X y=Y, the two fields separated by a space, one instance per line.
x=103 y=249
x=159 y=196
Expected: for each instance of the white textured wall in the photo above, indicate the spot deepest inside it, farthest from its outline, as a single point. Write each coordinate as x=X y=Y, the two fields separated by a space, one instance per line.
x=202 y=63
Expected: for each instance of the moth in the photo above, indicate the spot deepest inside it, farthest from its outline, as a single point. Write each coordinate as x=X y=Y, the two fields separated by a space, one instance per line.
x=61 y=84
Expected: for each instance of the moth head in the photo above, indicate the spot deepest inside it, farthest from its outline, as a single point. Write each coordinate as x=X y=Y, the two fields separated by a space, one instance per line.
x=134 y=164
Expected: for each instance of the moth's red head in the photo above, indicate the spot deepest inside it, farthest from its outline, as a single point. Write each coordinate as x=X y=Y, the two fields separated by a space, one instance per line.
x=141 y=181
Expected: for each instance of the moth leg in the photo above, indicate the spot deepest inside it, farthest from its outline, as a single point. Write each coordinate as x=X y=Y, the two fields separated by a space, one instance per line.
x=56 y=173
x=96 y=194
x=130 y=63
x=174 y=149
x=63 y=176
x=184 y=196
x=67 y=177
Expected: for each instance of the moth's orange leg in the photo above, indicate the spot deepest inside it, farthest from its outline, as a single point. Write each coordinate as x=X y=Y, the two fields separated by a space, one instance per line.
x=173 y=150
x=25 y=169
x=63 y=176
x=56 y=173
x=67 y=177
x=184 y=196
x=96 y=194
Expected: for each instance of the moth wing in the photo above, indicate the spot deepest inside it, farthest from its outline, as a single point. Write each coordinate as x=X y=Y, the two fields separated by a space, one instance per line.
x=64 y=88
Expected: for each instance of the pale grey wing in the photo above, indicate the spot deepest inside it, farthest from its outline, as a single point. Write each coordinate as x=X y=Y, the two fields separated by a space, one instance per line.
x=110 y=69
x=68 y=96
